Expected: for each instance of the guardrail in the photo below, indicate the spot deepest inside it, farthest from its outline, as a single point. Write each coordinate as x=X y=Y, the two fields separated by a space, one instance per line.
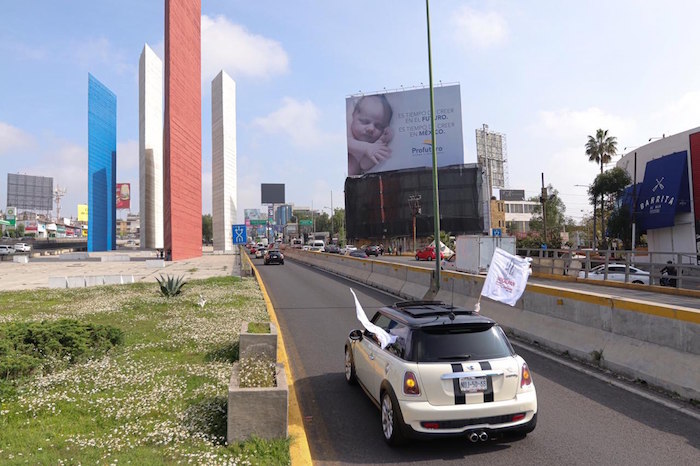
x=571 y=262
x=657 y=343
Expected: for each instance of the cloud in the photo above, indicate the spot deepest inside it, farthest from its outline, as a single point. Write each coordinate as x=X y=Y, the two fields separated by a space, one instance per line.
x=678 y=116
x=101 y=51
x=12 y=139
x=296 y=120
x=231 y=47
x=477 y=29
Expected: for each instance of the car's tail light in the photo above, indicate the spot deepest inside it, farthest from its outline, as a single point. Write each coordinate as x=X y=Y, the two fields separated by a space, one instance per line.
x=518 y=417
x=525 y=377
x=410 y=384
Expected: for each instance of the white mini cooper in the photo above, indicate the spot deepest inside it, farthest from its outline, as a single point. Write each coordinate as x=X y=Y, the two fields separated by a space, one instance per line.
x=450 y=372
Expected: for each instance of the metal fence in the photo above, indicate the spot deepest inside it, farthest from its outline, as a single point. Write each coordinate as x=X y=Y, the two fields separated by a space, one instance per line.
x=580 y=263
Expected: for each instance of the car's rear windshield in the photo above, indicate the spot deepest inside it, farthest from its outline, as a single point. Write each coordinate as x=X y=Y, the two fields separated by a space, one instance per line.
x=461 y=343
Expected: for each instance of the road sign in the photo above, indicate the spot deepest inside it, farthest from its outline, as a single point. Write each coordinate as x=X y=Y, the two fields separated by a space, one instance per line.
x=258 y=222
x=305 y=222
x=239 y=234
x=496 y=232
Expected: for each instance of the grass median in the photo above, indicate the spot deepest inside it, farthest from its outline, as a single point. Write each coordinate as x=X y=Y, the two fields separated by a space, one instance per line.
x=154 y=392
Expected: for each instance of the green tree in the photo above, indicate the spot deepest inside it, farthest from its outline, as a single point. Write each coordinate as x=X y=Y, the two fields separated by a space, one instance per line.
x=612 y=184
x=207 y=230
x=600 y=149
x=556 y=218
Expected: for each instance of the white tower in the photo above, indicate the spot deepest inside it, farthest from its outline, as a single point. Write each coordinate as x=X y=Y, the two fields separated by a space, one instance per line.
x=151 y=149
x=223 y=163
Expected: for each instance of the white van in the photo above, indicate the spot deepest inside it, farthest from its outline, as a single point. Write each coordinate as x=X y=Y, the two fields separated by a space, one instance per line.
x=317 y=245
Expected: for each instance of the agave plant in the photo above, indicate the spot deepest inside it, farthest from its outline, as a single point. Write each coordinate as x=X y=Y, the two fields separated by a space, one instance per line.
x=171 y=286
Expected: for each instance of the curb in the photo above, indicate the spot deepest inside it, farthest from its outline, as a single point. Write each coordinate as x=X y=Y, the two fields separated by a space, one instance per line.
x=299 y=447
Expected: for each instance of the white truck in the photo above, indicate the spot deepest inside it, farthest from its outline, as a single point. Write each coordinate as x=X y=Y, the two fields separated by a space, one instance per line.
x=474 y=252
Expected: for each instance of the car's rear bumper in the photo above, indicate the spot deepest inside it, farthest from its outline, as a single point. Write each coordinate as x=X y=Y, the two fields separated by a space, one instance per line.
x=494 y=417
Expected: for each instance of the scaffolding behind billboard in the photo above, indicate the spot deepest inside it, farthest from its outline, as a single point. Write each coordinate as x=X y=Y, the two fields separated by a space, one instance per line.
x=491 y=153
x=378 y=205
x=28 y=192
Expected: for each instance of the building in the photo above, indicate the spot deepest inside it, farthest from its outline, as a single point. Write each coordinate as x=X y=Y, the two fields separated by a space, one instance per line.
x=518 y=211
x=102 y=166
x=378 y=208
x=151 y=149
x=665 y=194
x=182 y=197
x=223 y=165
x=498 y=215
x=283 y=214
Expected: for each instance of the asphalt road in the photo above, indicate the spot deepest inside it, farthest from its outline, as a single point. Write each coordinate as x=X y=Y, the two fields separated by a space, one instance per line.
x=582 y=420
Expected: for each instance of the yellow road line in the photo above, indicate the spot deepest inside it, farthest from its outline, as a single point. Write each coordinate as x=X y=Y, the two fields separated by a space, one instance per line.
x=299 y=448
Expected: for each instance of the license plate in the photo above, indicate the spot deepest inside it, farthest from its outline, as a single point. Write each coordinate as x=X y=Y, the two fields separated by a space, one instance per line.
x=472 y=384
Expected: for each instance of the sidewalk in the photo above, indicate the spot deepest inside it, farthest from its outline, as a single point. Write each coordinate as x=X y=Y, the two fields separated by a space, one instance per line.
x=35 y=274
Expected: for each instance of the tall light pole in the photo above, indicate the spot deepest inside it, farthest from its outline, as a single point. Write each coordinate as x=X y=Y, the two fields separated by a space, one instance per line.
x=414 y=204
x=436 y=203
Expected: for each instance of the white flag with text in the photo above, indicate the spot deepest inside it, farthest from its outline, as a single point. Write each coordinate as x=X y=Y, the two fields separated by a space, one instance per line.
x=506 y=278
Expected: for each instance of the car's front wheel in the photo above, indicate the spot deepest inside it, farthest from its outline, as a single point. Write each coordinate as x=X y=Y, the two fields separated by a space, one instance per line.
x=350 y=375
x=392 y=421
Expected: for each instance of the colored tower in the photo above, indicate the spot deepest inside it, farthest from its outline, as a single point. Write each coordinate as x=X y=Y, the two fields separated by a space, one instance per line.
x=182 y=206
x=223 y=164
x=102 y=166
x=151 y=148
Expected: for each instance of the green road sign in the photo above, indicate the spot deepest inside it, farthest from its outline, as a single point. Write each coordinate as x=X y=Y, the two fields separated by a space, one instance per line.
x=305 y=222
x=258 y=222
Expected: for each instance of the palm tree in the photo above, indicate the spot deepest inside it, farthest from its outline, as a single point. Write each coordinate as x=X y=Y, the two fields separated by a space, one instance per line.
x=600 y=149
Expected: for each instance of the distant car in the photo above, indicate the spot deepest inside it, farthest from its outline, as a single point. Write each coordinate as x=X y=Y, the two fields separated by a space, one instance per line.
x=274 y=256
x=332 y=249
x=616 y=273
x=260 y=252
x=358 y=253
x=445 y=371
x=306 y=247
x=348 y=249
x=22 y=247
x=373 y=250
x=6 y=250
x=427 y=254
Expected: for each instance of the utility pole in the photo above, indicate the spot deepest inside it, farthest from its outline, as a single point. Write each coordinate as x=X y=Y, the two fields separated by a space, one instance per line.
x=414 y=204
x=436 y=202
x=543 y=200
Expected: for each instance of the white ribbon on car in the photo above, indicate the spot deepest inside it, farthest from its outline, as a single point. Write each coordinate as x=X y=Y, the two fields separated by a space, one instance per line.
x=382 y=335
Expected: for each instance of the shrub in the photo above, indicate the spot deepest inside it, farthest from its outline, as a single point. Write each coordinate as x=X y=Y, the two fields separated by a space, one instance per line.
x=28 y=346
x=171 y=286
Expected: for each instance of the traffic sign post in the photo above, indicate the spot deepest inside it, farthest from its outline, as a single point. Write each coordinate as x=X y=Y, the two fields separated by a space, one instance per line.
x=239 y=234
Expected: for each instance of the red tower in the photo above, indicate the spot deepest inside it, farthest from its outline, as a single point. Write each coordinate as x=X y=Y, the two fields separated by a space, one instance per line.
x=182 y=148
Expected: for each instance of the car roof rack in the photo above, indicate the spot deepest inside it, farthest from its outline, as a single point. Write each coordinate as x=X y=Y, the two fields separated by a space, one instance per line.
x=430 y=308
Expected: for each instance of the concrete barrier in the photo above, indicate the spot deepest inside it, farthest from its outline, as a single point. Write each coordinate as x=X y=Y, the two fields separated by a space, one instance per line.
x=75 y=282
x=57 y=282
x=155 y=263
x=74 y=256
x=94 y=280
x=20 y=259
x=113 y=279
x=115 y=258
x=656 y=343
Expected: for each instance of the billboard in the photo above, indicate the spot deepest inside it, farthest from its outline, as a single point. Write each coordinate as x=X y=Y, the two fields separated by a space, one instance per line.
x=377 y=205
x=123 y=195
x=30 y=192
x=392 y=131
x=512 y=194
x=272 y=193
x=82 y=212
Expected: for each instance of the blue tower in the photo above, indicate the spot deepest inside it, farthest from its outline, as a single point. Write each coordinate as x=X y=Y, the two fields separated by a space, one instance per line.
x=102 y=166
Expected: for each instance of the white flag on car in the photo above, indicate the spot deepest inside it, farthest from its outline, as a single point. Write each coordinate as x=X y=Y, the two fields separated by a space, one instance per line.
x=384 y=338
x=506 y=278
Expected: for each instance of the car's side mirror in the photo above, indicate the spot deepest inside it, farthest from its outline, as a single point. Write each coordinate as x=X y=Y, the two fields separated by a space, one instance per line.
x=356 y=335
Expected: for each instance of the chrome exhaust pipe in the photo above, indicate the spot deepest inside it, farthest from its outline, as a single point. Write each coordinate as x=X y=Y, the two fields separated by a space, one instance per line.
x=473 y=437
x=483 y=436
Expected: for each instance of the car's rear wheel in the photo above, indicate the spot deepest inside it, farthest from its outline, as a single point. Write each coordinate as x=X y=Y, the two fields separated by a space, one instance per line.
x=639 y=282
x=392 y=421
x=350 y=375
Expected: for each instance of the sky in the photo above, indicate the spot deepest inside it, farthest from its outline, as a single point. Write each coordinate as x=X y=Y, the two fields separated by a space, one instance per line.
x=545 y=73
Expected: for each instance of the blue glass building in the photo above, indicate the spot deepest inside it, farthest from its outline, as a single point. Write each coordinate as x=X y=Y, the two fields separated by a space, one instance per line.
x=102 y=166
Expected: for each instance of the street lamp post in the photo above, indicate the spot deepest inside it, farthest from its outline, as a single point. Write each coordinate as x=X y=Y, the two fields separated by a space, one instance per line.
x=414 y=204
x=436 y=203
